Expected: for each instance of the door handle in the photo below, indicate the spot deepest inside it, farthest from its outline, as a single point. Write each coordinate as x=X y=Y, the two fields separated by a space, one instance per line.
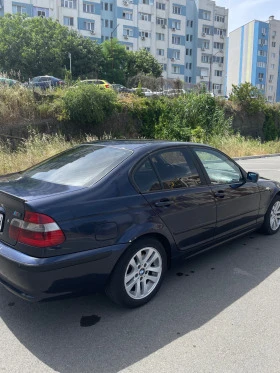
x=219 y=194
x=164 y=203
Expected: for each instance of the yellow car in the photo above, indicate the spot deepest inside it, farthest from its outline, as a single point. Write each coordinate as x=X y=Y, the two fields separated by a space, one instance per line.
x=99 y=82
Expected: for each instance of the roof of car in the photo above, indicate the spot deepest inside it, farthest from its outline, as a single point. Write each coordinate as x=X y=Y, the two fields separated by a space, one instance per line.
x=136 y=144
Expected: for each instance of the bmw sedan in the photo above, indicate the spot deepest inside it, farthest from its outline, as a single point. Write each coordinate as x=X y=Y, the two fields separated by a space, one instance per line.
x=116 y=215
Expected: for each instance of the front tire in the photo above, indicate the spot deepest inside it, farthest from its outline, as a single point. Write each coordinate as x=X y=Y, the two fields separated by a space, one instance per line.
x=138 y=275
x=271 y=222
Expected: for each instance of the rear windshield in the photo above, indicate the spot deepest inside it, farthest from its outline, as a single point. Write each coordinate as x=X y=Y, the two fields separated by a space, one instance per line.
x=80 y=166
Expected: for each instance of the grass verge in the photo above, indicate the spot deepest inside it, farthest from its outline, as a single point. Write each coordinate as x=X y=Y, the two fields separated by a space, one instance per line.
x=39 y=147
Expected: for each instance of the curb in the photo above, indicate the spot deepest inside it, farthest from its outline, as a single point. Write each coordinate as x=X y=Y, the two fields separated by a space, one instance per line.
x=257 y=156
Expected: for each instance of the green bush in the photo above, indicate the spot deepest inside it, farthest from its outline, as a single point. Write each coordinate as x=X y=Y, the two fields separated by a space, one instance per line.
x=89 y=104
x=191 y=117
x=271 y=128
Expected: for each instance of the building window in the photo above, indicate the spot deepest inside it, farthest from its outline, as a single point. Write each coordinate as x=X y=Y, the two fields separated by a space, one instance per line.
x=159 y=36
x=144 y=34
x=88 y=26
x=205 y=59
x=262 y=53
x=69 y=4
x=269 y=98
x=206 y=30
x=176 y=25
x=176 y=55
x=272 y=65
x=176 y=40
x=206 y=15
x=19 y=9
x=273 y=44
x=190 y=79
x=175 y=69
x=147 y=2
x=88 y=8
x=177 y=9
x=219 y=18
x=271 y=76
x=127 y=15
x=218 y=59
x=218 y=73
x=189 y=23
x=68 y=21
x=218 y=45
x=219 y=31
x=270 y=88
x=41 y=13
x=127 y=32
x=148 y=49
x=161 y=21
x=205 y=44
x=160 y=6
x=145 y=17
x=263 y=42
x=260 y=86
x=160 y=52
x=111 y=24
x=260 y=76
x=261 y=64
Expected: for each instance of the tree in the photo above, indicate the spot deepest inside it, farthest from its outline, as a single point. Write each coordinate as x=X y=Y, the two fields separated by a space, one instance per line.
x=40 y=46
x=143 y=62
x=248 y=97
x=116 y=58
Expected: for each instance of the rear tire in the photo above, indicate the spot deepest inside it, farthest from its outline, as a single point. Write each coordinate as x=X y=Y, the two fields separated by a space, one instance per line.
x=139 y=273
x=271 y=222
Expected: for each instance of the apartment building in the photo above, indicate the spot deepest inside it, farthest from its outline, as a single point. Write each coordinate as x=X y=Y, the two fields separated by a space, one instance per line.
x=254 y=57
x=187 y=37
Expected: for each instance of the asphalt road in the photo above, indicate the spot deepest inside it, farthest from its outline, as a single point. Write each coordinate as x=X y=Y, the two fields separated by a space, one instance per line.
x=216 y=313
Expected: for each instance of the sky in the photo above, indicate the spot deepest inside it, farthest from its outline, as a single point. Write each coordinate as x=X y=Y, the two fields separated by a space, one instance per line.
x=244 y=11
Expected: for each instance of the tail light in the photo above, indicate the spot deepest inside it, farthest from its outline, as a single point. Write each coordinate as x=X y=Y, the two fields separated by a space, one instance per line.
x=36 y=230
x=107 y=85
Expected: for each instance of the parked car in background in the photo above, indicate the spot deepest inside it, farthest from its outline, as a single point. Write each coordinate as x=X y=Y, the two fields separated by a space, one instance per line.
x=45 y=82
x=120 y=88
x=145 y=91
x=100 y=83
x=116 y=214
x=174 y=92
x=9 y=82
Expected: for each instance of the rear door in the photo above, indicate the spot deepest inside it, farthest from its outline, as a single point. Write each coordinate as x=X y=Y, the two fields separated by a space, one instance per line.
x=172 y=185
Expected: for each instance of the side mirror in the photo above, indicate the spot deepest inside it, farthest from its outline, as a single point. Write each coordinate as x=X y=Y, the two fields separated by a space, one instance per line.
x=252 y=176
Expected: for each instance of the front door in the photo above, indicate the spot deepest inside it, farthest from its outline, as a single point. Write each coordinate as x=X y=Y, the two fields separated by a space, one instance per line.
x=237 y=199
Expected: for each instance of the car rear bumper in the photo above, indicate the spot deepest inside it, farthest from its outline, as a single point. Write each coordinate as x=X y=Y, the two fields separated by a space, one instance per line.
x=36 y=279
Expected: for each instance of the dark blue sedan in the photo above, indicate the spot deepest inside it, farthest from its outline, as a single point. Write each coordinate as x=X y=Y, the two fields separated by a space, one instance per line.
x=115 y=215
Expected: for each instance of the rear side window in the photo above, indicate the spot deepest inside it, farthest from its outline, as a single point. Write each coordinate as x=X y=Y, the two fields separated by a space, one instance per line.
x=146 y=178
x=80 y=166
x=175 y=169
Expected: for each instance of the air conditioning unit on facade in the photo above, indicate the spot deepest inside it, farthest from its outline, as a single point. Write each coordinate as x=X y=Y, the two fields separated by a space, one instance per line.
x=202 y=77
x=142 y=37
x=125 y=2
x=126 y=36
x=92 y=32
x=163 y=26
x=202 y=48
x=172 y=59
x=203 y=34
x=173 y=29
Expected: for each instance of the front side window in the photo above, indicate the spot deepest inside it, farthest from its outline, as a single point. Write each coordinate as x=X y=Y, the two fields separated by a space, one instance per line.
x=219 y=168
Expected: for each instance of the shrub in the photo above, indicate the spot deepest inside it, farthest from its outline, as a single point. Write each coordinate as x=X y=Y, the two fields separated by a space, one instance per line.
x=194 y=117
x=89 y=104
